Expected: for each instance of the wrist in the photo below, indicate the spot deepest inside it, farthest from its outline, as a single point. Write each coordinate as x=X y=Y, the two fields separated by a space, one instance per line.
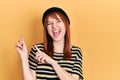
x=24 y=58
x=24 y=55
x=54 y=63
x=24 y=61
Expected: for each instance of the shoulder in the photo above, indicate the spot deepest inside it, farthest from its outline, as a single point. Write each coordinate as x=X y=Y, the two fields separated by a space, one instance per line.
x=76 y=51
x=76 y=48
x=39 y=46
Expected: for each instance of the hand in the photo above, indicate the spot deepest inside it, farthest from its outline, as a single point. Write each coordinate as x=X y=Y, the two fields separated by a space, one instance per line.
x=43 y=58
x=22 y=49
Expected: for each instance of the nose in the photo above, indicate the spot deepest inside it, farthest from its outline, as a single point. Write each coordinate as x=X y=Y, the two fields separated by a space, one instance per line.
x=54 y=25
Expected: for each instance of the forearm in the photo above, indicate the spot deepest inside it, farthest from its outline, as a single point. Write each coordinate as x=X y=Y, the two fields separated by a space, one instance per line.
x=26 y=70
x=22 y=50
x=62 y=74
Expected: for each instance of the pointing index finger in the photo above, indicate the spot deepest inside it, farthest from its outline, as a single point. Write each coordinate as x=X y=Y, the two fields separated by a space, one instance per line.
x=37 y=49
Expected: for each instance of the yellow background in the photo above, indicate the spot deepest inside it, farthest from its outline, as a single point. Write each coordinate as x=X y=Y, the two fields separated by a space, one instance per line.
x=95 y=27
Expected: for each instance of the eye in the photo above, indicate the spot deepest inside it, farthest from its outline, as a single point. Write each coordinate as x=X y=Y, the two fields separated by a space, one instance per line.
x=49 y=23
x=58 y=21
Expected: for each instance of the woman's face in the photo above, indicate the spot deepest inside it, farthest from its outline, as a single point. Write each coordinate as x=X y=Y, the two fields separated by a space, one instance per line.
x=56 y=28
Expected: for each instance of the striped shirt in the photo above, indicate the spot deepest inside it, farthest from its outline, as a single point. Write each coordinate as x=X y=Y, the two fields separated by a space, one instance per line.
x=45 y=71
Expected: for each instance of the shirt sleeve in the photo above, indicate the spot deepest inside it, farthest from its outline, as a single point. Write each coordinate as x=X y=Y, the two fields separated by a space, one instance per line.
x=32 y=60
x=77 y=69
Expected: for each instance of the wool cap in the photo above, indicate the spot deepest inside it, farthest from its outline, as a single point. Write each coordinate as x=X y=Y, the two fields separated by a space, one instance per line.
x=54 y=9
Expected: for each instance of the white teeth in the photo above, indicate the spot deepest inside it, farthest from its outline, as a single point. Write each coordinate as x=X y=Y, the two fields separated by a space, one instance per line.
x=56 y=31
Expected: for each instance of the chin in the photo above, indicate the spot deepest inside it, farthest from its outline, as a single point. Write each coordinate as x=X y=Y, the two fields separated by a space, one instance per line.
x=57 y=40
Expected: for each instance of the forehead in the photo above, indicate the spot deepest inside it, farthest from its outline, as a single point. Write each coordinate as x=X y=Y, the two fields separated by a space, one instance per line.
x=53 y=17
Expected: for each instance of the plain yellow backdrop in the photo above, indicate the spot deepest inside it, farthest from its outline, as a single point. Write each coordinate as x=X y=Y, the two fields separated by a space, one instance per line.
x=95 y=28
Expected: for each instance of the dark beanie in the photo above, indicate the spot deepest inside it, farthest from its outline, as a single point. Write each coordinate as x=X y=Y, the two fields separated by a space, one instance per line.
x=55 y=9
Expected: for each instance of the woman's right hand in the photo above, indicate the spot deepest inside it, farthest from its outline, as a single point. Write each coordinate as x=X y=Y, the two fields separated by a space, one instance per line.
x=22 y=49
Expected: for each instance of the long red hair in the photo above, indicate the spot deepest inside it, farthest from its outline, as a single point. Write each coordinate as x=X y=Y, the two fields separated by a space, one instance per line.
x=48 y=41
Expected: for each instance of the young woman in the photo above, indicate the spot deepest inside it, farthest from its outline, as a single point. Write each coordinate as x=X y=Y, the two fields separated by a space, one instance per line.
x=55 y=58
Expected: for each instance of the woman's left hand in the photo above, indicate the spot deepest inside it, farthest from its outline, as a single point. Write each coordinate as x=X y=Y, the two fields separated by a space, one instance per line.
x=43 y=58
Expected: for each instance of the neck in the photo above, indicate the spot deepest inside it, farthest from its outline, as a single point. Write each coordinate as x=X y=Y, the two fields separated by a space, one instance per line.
x=59 y=46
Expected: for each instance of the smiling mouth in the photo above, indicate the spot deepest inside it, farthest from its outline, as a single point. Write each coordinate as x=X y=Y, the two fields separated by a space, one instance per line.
x=56 y=33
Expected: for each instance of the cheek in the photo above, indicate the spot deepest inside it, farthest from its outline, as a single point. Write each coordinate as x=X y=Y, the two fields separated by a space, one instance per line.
x=49 y=30
x=62 y=25
x=64 y=29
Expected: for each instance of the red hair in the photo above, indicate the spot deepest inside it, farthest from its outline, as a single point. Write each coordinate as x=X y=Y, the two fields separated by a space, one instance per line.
x=48 y=41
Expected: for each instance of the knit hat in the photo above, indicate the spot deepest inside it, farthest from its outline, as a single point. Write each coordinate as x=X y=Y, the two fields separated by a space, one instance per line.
x=54 y=9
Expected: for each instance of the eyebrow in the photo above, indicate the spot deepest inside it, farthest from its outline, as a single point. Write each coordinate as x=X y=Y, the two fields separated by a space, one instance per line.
x=48 y=21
